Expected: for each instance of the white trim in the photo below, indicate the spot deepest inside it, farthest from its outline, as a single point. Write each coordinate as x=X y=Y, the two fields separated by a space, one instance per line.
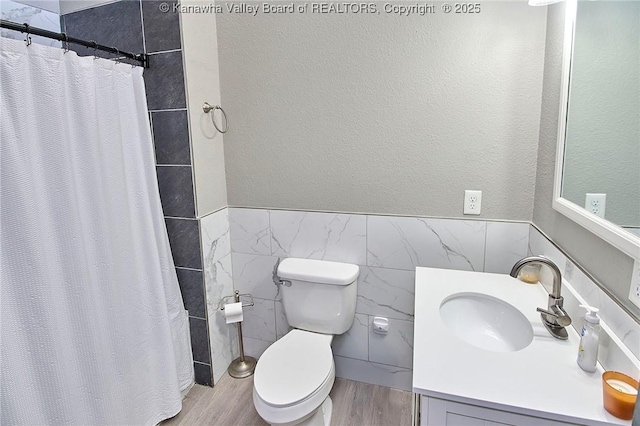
x=168 y=110
x=160 y=52
x=613 y=234
x=144 y=41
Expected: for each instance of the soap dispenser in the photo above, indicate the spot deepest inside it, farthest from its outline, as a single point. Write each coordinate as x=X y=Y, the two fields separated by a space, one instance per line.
x=589 y=340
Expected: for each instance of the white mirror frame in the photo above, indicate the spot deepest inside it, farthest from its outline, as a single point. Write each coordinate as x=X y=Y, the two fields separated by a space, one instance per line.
x=613 y=234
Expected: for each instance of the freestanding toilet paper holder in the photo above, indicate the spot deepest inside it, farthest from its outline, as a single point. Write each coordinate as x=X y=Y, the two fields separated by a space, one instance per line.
x=243 y=366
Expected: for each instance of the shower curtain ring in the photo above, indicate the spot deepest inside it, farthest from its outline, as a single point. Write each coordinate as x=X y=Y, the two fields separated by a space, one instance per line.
x=66 y=42
x=118 y=52
x=27 y=39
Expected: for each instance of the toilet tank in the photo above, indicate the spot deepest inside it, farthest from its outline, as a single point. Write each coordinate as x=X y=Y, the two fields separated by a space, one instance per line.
x=322 y=294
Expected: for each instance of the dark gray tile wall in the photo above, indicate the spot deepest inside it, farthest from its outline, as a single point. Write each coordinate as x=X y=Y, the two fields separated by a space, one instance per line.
x=176 y=190
x=165 y=81
x=137 y=26
x=164 y=34
x=171 y=137
x=184 y=237
x=191 y=282
x=198 y=329
x=117 y=24
x=203 y=374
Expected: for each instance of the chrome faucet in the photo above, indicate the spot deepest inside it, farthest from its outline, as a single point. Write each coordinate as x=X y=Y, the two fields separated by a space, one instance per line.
x=554 y=318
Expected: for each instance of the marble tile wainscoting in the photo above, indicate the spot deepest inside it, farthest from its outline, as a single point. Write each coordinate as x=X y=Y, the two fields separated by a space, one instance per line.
x=218 y=277
x=387 y=249
x=578 y=288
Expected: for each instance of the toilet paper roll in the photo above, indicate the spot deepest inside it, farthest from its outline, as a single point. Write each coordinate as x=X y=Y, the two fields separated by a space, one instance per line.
x=233 y=312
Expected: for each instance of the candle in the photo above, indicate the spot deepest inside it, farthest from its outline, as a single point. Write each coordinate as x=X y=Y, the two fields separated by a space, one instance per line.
x=619 y=393
x=623 y=387
x=530 y=273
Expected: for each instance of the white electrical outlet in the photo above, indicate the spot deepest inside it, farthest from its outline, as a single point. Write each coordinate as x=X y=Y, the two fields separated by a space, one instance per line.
x=472 y=202
x=634 y=292
x=596 y=203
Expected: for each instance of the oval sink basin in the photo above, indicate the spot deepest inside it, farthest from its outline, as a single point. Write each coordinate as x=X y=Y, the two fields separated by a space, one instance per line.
x=486 y=322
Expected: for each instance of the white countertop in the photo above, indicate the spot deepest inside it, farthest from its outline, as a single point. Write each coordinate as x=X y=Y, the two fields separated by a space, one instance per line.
x=541 y=380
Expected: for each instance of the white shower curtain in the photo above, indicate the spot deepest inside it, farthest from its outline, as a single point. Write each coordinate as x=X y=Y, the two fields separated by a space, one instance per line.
x=93 y=326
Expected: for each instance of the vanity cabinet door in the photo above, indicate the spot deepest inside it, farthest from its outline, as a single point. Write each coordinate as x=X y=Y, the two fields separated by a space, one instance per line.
x=440 y=412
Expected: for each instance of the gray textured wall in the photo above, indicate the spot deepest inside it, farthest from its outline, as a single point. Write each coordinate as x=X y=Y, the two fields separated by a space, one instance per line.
x=602 y=152
x=201 y=78
x=383 y=114
x=606 y=263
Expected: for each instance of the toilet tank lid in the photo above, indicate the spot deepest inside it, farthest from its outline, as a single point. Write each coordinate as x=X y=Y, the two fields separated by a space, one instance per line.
x=318 y=271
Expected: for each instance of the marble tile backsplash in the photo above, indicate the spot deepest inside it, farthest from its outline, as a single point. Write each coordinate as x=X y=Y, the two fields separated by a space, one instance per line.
x=387 y=249
x=250 y=231
x=254 y=274
x=260 y=320
x=506 y=244
x=386 y=292
x=407 y=242
x=323 y=236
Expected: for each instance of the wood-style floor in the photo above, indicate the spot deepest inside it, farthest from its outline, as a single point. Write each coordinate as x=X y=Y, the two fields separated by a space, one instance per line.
x=230 y=403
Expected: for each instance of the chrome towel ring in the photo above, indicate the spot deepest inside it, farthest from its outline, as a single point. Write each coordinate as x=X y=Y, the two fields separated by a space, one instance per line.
x=206 y=107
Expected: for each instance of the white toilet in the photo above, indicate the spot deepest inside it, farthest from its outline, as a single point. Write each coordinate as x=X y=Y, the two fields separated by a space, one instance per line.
x=294 y=375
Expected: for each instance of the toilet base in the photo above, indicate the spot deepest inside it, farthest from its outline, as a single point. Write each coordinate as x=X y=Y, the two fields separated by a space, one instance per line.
x=320 y=417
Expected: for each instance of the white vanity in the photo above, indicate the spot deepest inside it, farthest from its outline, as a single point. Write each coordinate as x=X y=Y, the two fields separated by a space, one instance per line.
x=466 y=374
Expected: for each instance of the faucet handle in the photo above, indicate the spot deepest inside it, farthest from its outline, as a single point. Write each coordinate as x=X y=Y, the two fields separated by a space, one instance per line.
x=561 y=317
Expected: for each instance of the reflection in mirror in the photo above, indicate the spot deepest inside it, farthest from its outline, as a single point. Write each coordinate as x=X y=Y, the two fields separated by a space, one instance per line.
x=602 y=146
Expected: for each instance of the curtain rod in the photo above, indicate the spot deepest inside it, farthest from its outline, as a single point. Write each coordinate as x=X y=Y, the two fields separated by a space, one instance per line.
x=143 y=58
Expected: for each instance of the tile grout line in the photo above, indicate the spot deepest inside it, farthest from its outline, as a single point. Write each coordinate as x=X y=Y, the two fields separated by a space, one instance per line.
x=144 y=41
x=393 y=215
x=484 y=251
x=368 y=338
x=167 y=110
x=374 y=362
x=275 y=320
x=204 y=292
x=270 y=233
x=366 y=266
x=189 y=269
x=366 y=239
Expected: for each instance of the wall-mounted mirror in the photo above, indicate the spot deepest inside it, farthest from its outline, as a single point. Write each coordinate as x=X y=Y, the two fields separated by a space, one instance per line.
x=598 y=165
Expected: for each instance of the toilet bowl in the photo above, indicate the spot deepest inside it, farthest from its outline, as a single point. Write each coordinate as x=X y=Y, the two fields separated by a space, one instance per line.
x=293 y=379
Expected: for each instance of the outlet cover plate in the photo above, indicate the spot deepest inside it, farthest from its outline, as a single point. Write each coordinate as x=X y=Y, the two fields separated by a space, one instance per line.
x=634 y=291
x=472 y=202
x=596 y=203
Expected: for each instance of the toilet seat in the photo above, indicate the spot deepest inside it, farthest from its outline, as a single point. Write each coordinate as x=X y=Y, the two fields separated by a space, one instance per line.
x=293 y=368
x=293 y=377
